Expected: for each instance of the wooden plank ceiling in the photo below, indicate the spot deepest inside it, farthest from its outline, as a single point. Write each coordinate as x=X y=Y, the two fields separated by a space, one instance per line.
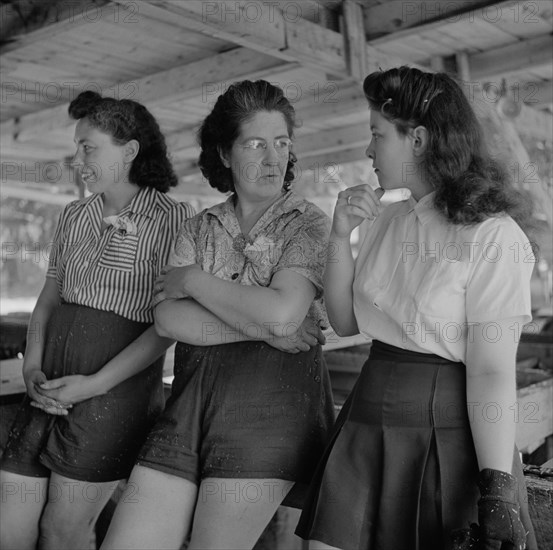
x=176 y=56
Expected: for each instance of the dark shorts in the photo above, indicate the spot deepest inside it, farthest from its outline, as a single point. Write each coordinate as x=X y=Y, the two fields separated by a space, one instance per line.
x=243 y=410
x=99 y=439
x=401 y=469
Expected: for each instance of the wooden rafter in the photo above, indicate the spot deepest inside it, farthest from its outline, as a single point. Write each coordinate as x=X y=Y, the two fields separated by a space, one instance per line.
x=178 y=83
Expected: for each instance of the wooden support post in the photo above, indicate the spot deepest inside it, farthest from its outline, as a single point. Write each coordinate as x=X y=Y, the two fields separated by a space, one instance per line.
x=437 y=63
x=463 y=66
x=354 y=39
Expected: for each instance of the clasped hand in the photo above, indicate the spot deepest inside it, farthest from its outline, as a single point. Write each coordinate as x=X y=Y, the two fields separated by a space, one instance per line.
x=57 y=396
x=354 y=205
x=307 y=335
x=172 y=282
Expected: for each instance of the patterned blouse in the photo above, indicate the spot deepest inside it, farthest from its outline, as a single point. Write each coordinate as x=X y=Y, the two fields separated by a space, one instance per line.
x=291 y=234
x=114 y=270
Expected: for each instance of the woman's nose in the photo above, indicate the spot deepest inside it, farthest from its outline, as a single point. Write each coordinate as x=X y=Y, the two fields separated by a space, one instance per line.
x=369 y=152
x=77 y=158
x=271 y=156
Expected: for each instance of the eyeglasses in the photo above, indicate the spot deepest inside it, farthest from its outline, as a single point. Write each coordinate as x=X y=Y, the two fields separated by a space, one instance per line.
x=257 y=145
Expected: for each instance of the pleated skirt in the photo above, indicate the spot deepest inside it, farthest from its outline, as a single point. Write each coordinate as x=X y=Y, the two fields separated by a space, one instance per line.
x=401 y=470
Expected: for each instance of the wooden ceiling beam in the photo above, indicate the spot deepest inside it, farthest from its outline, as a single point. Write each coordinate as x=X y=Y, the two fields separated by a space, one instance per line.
x=523 y=54
x=396 y=15
x=195 y=80
x=259 y=25
x=25 y=22
x=482 y=12
x=332 y=140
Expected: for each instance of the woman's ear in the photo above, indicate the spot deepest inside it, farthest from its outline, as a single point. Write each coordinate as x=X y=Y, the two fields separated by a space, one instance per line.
x=224 y=157
x=131 y=150
x=419 y=136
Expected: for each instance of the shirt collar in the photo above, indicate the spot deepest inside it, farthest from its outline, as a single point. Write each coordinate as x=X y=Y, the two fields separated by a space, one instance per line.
x=144 y=203
x=424 y=208
x=286 y=203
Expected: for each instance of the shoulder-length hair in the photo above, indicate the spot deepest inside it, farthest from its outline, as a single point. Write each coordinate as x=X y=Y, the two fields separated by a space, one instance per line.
x=470 y=185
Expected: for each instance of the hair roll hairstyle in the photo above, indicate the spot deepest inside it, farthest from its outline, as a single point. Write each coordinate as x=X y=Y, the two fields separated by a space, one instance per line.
x=222 y=126
x=123 y=120
x=470 y=185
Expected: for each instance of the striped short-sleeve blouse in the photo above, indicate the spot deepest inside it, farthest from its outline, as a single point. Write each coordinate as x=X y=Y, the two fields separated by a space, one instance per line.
x=114 y=270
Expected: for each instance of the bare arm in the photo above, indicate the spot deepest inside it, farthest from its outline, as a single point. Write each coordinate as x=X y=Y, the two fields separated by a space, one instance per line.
x=338 y=279
x=138 y=355
x=33 y=375
x=273 y=311
x=491 y=394
x=187 y=321
x=338 y=283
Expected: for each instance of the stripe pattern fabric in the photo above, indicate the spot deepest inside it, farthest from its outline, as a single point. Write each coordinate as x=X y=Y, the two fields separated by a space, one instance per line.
x=114 y=269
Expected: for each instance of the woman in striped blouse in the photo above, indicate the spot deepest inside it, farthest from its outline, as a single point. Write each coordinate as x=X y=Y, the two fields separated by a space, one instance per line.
x=93 y=362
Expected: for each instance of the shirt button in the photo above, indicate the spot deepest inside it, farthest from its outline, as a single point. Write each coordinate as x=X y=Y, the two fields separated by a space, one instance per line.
x=235 y=276
x=317 y=378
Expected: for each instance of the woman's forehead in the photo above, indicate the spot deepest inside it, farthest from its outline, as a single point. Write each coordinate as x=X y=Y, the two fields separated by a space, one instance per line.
x=270 y=123
x=85 y=130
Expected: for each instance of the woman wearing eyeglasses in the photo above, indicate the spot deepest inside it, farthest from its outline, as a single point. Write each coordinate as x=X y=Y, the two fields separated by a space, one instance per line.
x=251 y=403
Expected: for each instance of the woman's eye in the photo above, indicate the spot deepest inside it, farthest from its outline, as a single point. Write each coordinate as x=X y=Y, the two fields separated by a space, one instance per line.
x=255 y=144
x=283 y=143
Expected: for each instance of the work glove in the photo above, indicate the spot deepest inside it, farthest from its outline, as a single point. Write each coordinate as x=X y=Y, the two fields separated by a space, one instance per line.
x=500 y=527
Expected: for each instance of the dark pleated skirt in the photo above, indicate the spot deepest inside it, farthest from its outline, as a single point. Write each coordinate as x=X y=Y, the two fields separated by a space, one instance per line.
x=401 y=471
x=243 y=410
x=100 y=437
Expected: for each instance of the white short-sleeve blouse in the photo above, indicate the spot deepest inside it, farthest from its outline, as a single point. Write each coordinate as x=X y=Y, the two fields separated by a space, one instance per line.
x=425 y=285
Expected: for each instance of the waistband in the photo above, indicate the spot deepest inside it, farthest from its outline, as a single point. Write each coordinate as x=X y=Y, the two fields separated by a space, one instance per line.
x=383 y=351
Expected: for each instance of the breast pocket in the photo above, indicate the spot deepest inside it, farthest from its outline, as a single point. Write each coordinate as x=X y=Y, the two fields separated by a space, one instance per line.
x=120 y=253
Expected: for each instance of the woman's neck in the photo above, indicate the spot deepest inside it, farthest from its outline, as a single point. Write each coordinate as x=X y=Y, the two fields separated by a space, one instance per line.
x=248 y=213
x=117 y=199
x=420 y=190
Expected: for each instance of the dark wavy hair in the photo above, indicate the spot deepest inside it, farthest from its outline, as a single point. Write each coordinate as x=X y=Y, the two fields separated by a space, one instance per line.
x=123 y=120
x=221 y=127
x=470 y=185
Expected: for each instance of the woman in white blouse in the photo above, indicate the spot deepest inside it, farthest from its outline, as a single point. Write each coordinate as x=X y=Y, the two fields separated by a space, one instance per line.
x=425 y=444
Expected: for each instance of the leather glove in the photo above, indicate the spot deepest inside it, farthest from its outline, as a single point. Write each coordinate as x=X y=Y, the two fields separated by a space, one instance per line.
x=500 y=527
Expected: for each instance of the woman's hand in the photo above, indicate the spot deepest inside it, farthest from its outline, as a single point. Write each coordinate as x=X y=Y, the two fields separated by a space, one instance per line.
x=354 y=205
x=33 y=379
x=304 y=337
x=68 y=390
x=498 y=512
x=172 y=281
